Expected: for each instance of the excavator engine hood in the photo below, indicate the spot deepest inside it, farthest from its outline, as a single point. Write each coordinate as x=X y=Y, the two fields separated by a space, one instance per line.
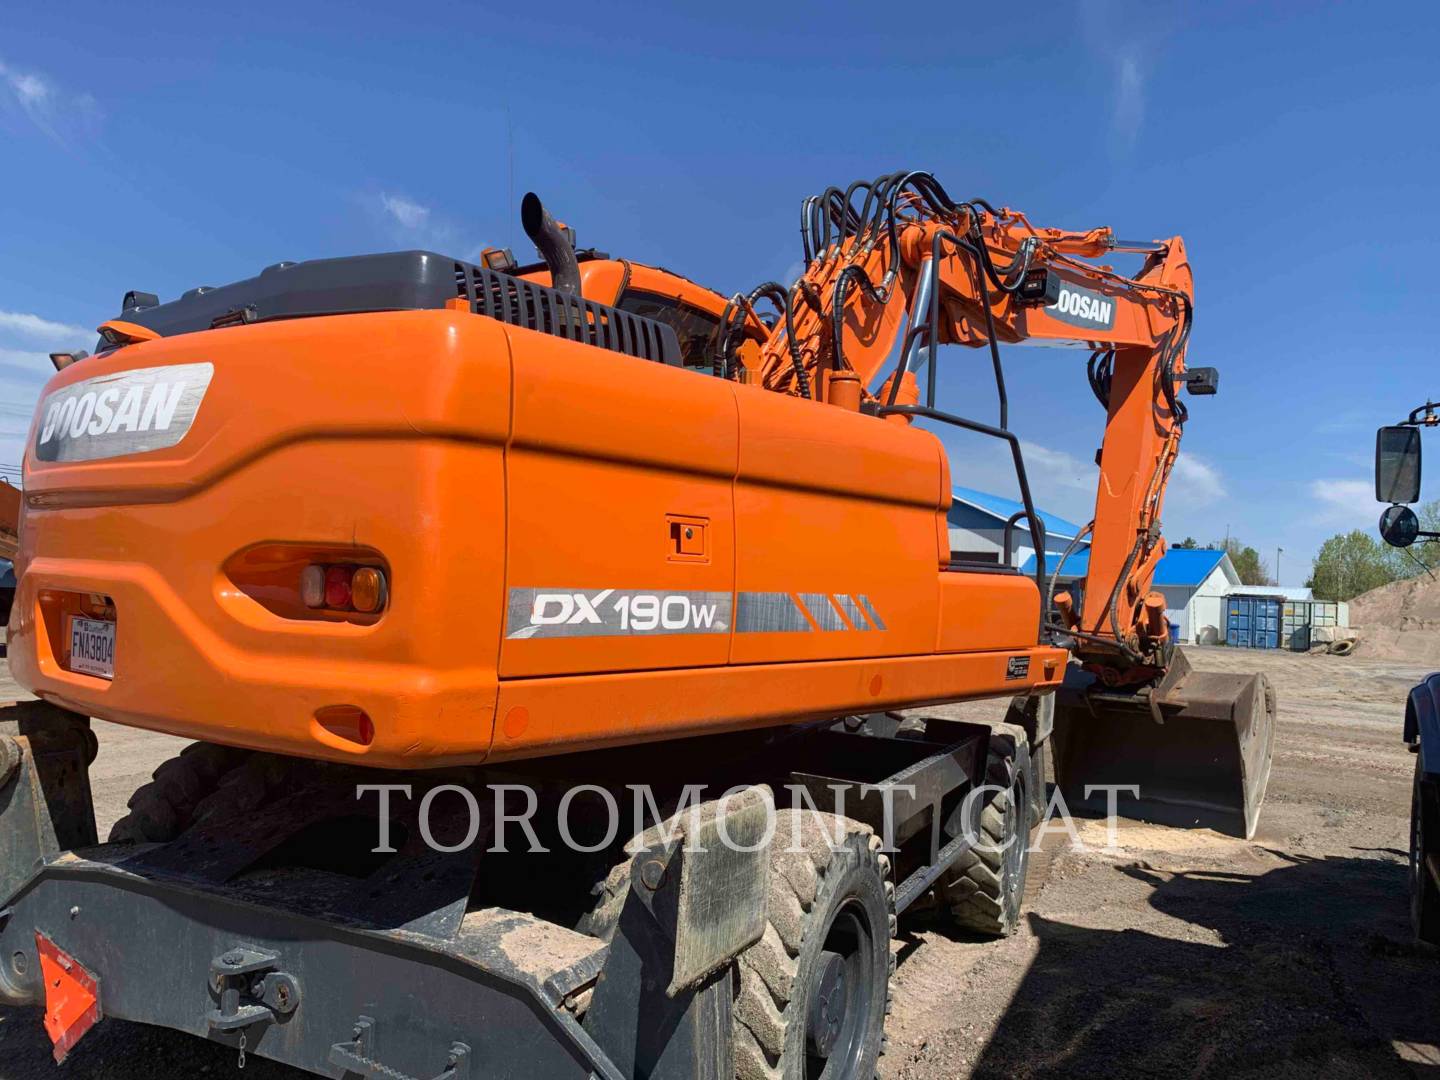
x=1197 y=745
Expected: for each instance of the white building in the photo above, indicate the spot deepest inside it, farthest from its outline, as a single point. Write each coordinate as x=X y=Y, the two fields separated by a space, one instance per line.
x=977 y=528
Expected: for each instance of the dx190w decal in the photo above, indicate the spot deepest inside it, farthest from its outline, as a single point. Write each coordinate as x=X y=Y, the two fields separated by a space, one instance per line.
x=549 y=613
x=540 y=613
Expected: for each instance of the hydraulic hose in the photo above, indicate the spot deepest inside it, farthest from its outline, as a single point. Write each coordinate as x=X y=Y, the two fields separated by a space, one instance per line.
x=780 y=296
x=1070 y=549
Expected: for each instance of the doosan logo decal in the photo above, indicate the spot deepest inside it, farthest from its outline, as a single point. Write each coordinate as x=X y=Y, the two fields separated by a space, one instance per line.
x=1081 y=307
x=128 y=412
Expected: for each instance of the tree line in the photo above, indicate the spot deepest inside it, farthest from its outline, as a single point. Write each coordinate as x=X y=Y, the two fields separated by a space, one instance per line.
x=1346 y=565
x=1352 y=563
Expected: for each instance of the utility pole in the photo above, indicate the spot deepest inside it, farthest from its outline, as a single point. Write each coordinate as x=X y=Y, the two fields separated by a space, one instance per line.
x=1278 y=552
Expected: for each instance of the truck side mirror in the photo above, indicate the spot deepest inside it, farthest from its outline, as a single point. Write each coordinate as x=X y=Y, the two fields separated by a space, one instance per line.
x=1399 y=527
x=1397 y=465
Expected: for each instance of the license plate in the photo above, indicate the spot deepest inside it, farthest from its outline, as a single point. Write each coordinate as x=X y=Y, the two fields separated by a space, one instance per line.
x=92 y=647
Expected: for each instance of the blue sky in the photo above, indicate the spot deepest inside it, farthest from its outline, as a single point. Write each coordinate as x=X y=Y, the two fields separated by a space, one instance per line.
x=1293 y=146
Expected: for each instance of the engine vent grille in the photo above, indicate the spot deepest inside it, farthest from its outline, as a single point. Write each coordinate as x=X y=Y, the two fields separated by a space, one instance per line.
x=523 y=303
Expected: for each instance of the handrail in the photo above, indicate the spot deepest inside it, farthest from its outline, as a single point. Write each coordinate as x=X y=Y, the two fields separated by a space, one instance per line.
x=1010 y=529
x=1037 y=536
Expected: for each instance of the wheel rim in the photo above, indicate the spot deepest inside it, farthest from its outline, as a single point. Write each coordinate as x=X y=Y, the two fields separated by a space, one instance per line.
x=842 y=997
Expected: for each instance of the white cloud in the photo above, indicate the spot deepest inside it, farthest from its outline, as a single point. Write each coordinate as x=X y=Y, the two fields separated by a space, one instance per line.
x=403 y=221
x=1344 y=501
x=57 y=112
x=1055 y=468
x=36 y=328
x=24 y=362
x=1060 y=482
x=1194 y=482
x=407 y=212
x=26 y=340
x=1128 y=112
x=30 y=89
x=1123 y=41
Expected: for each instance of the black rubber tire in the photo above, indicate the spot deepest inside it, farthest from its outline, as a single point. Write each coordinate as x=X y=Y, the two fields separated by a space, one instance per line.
x=820 y=895
x=808 y=887
x=983 y=890
x=1424 y=893
x=1035 y=785
x=162 y=809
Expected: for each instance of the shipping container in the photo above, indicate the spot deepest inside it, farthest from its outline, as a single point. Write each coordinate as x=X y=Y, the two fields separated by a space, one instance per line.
x=1295 y=624
x=1253 y=622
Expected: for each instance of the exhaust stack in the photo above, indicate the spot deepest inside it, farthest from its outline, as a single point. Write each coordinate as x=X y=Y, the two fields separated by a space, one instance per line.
x=552 y=243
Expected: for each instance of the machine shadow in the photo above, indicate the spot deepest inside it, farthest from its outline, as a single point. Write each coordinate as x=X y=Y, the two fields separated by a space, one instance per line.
x=1304 y=970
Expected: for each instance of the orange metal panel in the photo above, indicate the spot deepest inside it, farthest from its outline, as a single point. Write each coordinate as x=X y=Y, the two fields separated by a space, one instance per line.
x=831 y=504
x=582 y=712
x=987 y=611
x=616 y=448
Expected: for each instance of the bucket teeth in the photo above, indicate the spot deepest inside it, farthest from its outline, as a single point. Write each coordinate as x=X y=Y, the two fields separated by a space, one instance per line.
x=1196 y=747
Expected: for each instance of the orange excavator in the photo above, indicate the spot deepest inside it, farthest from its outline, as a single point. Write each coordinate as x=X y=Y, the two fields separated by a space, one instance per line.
x=406 y=522
x=9 y=520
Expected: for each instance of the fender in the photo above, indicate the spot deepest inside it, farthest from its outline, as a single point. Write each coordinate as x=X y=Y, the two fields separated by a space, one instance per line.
x=1422 y=724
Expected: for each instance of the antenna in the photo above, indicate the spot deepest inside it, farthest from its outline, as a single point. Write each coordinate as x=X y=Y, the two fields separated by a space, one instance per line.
x=510 y=156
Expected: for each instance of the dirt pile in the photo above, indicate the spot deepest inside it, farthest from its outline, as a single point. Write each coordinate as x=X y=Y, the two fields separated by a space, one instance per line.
x=1400 y=621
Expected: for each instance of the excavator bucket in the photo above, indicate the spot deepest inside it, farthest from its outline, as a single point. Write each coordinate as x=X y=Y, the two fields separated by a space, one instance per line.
x=1197 y=745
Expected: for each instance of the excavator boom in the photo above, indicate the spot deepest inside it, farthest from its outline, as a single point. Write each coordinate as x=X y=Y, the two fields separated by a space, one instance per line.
x=897 y=261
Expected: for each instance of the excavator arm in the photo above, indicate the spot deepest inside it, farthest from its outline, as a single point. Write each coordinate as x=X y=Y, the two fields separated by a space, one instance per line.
x=895 y=268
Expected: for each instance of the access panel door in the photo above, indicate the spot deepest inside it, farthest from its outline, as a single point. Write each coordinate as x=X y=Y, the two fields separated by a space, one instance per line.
x=620 y=525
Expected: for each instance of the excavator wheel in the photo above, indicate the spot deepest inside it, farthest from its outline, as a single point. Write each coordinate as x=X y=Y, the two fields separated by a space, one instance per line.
x=201 y=782
x=1039 y=768
x=162 y=809
x=814 y=991
x=984 y=888
x=1424 y=845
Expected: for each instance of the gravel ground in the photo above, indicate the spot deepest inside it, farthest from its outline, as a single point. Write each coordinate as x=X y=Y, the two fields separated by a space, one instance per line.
x=1176 y=954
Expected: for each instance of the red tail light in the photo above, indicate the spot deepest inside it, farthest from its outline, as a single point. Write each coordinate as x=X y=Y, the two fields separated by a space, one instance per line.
x=337 y=587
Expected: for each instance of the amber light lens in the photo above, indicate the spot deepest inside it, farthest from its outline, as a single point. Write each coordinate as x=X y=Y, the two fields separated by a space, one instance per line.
x=368 y=589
